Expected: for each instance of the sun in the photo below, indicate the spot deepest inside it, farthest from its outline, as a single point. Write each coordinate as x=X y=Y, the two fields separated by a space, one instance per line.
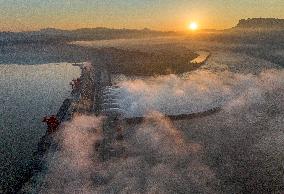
x=193 y=26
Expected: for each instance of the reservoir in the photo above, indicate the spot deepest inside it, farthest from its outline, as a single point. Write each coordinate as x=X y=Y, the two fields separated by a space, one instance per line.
x=28 y=93
x=203 y=55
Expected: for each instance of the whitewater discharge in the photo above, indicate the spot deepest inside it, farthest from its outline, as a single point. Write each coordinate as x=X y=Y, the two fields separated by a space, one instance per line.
x=197 y=92
x=239 y=149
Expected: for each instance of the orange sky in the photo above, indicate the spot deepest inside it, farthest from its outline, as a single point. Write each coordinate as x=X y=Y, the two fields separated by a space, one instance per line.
x=19 y=15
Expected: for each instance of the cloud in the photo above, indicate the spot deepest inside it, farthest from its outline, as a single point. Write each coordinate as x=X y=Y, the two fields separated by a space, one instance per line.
x=197 y=92
x=70 y=167
x=157 y=159
x=239 y=143
x=235 y=150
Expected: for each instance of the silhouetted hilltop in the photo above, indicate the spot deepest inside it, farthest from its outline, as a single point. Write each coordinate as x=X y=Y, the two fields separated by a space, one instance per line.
x=261 y=23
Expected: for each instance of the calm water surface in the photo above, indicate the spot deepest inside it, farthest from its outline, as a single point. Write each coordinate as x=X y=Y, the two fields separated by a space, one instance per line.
x=27 y=93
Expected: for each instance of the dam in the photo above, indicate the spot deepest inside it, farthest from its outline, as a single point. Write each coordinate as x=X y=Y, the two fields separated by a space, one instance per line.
x=95 y=95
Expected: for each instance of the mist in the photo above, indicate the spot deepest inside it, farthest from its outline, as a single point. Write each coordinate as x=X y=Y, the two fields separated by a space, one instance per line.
x=239 y=149
x=71 y=166
x=196 y=92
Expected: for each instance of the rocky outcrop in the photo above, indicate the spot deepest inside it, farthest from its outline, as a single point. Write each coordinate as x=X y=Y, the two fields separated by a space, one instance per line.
x=261 y=23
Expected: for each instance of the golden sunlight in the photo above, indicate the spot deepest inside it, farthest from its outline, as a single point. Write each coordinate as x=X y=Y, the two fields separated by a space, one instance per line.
x=193 y=26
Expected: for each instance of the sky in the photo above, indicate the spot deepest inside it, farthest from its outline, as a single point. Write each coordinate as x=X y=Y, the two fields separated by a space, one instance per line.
x=23 y=15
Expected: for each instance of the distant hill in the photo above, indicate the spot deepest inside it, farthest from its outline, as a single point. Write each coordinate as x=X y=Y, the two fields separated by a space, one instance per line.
x=261 y=23
x=50 y=35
